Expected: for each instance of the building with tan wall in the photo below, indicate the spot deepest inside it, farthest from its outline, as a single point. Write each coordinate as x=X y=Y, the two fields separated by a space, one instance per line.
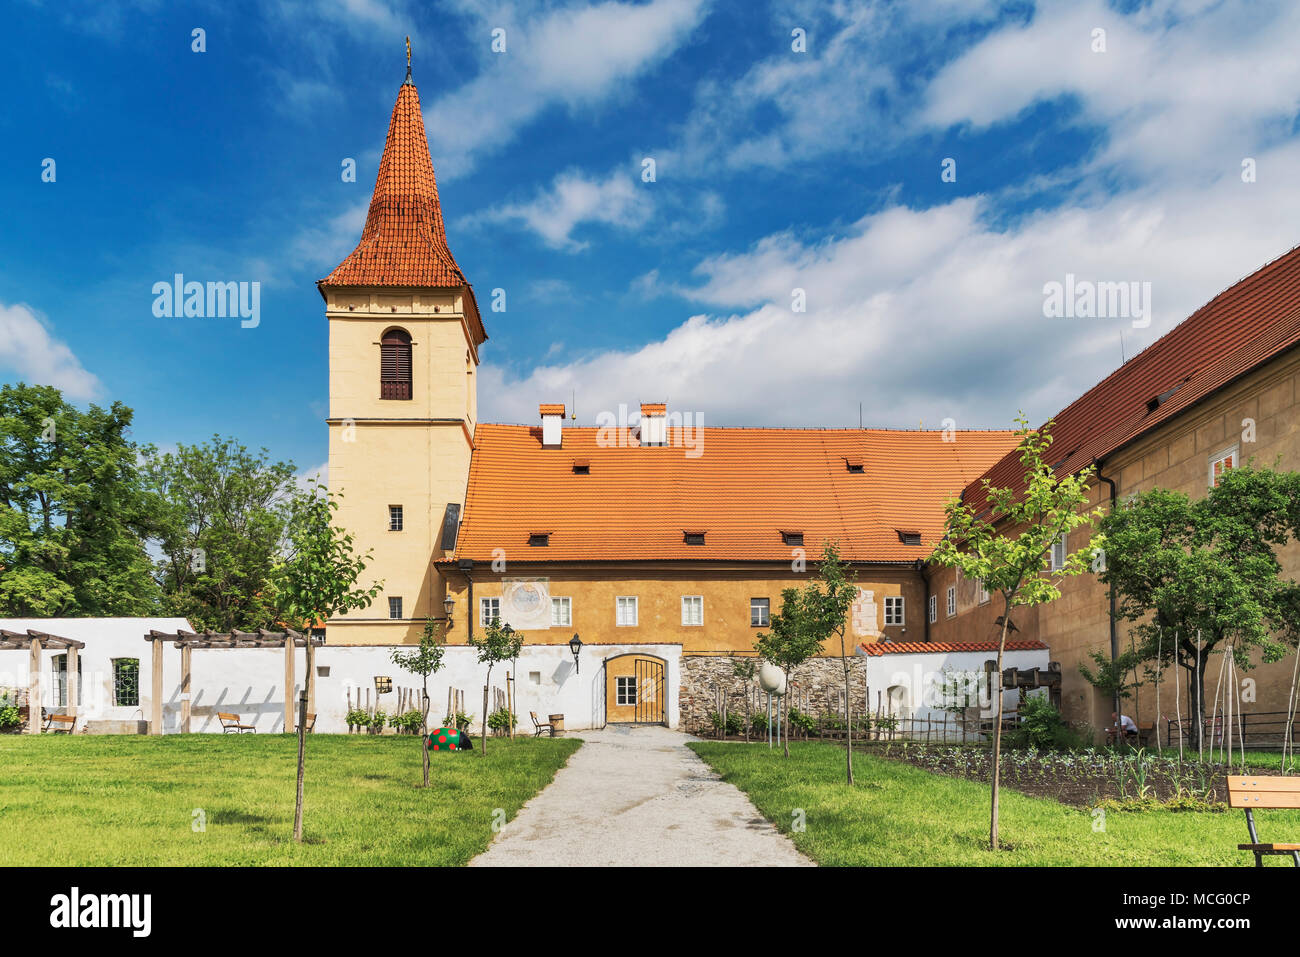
x=1221 y=389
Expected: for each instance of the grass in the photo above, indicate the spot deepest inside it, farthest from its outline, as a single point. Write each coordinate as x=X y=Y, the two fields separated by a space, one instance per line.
x=83 y=800
x=897 y=814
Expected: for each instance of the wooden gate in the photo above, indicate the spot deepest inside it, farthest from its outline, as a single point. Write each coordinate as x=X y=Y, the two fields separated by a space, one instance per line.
x=635 y=690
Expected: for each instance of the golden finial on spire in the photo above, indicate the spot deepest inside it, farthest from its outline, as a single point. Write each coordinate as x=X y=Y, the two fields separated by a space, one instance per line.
x=408 y=53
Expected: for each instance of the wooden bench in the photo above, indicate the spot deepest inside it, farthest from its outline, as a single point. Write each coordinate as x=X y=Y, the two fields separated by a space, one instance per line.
x=1143 y=737
x=310 y=725
x=539 y=727
x=60 y=723
x=233 y=724
x=1257 y=791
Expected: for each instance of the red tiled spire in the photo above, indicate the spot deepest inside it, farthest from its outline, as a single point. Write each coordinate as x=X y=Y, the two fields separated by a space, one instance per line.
x=404 y=242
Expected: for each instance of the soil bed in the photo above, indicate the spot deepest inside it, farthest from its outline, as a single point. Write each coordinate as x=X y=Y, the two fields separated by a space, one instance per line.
x=1081 y=778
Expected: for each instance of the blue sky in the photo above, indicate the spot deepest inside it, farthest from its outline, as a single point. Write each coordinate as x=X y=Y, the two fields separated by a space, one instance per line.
x=776 y=170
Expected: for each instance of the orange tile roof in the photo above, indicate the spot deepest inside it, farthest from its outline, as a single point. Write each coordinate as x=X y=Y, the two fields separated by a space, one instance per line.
x=876 y=649
x=742 y=491
x=1237 y=331
x=404 y=242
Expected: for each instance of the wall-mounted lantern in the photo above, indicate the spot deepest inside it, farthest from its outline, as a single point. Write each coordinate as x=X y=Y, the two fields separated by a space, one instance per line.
x=575 y=645
x=448 y=606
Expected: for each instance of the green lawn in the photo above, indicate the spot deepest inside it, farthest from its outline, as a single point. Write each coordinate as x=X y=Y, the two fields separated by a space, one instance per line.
x=902 y=815
x=132 y=800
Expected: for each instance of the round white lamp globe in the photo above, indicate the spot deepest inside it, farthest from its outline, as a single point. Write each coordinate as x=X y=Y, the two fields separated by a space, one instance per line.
x=771 y=679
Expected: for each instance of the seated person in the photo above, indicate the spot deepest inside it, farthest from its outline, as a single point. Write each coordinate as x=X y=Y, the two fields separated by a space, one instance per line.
x=1127 y=727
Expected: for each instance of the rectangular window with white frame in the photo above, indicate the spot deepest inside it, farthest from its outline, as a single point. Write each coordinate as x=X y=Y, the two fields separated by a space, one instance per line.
x=489 y=610
x=1059 y=549
x=934 y=608
x=894 y=610
x=394 y=518
x=984 y=592
x=1222 y=462
x=561 y=612
x=625 y=689
x=760 y=612
x=394 y=608
x=952 y=600
x=693 y=610
x=625 y=611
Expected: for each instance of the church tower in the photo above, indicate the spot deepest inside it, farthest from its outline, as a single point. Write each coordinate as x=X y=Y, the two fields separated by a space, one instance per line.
x=404 y=335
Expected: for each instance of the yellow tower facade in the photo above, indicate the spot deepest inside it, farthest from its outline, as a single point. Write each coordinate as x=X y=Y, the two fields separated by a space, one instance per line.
x=404 y=338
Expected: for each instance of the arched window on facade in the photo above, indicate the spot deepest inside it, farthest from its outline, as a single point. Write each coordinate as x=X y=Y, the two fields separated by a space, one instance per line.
x=395 y=365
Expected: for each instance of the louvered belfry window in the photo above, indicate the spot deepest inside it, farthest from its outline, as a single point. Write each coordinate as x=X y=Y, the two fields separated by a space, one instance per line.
x=395 y=365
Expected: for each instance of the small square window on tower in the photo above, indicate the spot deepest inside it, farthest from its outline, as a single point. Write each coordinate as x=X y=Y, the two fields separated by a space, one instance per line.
x=394 y=518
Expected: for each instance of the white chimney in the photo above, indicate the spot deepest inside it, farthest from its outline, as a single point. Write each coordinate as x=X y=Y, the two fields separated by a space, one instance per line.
x=654 y=423
x=552 y=419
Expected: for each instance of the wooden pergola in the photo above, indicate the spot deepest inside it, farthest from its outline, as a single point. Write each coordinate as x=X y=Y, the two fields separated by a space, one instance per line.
x=186 y=641
x=35 y=642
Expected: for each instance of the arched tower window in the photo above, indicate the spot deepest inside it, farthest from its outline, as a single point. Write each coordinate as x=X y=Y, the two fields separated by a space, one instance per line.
x=395 y=365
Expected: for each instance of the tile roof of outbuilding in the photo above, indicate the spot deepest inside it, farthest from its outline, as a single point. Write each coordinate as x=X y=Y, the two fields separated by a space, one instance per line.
x=743 y=490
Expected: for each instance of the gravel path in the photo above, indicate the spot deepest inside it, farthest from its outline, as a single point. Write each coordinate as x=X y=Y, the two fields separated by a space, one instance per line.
x=639 y=797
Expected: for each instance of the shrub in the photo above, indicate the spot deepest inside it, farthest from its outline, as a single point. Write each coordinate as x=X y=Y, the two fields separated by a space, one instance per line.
x=1042 y=726
x=502 y=720
x=357 y=718
x=801 y=723
x=377 y=721
x=407 y=723
x=460 y=720
x=735 y=722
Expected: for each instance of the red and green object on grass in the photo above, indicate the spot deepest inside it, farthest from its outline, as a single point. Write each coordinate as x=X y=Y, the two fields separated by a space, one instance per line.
x=444 y=739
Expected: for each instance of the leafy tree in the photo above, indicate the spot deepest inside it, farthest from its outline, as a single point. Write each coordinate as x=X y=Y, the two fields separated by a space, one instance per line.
x=220 y=515
x=72 y=517
x=1009 y=550
x=318 y=579
x=1200 y=576
x=797 y=633
x=745 y=669
x=423 y=661
x=498 y=643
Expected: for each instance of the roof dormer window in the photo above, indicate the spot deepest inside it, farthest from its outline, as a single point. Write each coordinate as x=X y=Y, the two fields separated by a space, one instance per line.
x=908 y=536
x=792 y=538
x=581 y=467
x=855 y=464
x=693 y=538
x=539 y=539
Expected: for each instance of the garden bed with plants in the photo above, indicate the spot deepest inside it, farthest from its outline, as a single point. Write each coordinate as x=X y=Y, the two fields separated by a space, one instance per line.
x=1090 y=776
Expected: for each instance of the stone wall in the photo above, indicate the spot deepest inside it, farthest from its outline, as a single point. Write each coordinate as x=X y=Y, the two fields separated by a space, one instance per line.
x=817 y=688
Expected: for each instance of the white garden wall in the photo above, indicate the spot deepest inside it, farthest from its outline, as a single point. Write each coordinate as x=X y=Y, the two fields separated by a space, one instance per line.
x=250 y=682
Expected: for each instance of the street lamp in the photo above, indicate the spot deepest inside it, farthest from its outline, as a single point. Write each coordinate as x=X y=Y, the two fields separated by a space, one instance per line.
x=448 y=605
x=575 y=645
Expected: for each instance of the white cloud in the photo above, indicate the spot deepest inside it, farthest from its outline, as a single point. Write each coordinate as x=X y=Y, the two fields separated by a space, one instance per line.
x=325 y=247
x=928 y=314
x=571 y=200
x=320 y=474
x=30 y=351
x=574 y=55
x=1183 y=88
